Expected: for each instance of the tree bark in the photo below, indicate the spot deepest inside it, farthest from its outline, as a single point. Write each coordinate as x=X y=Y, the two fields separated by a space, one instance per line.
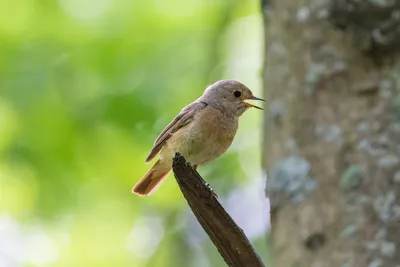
x=226 y=235
x=332 y=132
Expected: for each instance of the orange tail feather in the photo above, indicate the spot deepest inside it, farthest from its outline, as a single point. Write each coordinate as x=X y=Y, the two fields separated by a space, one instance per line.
x=151 y=180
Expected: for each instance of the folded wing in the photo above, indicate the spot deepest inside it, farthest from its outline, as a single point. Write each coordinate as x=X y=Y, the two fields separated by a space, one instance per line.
x=184 y=117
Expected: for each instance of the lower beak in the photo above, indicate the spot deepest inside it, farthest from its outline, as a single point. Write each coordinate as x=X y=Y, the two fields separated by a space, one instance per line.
x=251 y=105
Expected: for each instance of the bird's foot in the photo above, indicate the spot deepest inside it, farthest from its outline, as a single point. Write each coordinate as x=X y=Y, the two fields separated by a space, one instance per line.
x=204 y=181
x=212 y=191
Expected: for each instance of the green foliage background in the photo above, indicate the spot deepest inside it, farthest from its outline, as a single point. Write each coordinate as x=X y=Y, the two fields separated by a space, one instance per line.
x=85 y=87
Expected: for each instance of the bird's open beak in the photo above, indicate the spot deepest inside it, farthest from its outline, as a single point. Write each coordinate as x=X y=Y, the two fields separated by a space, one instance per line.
x=251 y=105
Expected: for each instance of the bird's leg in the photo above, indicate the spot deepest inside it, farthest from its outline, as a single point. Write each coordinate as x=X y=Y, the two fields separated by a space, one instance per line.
x=204 y=181
x=212 y=191
x=195 y=170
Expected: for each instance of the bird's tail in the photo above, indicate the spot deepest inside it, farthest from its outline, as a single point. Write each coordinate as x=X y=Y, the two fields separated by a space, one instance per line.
x=151 y=180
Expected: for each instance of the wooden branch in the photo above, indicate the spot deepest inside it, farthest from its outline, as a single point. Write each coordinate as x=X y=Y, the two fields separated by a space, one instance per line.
x=229 y=239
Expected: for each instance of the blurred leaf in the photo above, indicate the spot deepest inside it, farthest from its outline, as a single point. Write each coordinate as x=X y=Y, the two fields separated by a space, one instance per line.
x=85 y=87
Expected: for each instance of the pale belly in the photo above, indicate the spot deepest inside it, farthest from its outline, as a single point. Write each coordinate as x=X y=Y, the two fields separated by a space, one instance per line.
x=207 y=137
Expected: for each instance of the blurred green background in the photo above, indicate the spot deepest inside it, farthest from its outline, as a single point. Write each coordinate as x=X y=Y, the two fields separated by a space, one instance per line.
x=85 y=88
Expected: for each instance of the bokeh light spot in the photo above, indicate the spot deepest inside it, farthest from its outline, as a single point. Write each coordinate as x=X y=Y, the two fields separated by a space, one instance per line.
x=84 y=9
x=145 y=237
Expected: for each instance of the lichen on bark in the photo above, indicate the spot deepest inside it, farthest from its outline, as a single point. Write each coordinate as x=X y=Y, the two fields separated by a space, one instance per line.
x=333 y=88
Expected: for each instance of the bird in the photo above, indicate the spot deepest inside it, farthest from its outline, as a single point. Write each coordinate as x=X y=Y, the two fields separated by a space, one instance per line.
x=201 y=132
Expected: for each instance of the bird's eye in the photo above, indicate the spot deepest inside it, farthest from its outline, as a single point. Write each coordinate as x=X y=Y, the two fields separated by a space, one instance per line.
x=237 y=93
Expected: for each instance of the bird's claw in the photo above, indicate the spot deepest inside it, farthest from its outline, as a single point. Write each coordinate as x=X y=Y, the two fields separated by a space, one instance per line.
x=212 y=191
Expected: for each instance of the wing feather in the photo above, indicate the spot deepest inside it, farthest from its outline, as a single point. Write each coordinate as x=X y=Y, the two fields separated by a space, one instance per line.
x=183 y=118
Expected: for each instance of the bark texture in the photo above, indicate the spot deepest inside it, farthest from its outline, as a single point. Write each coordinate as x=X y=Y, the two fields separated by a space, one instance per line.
x=226 y=235
x=332 y=132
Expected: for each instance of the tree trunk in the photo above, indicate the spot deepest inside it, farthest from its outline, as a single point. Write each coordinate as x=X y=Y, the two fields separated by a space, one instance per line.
x=332 y=132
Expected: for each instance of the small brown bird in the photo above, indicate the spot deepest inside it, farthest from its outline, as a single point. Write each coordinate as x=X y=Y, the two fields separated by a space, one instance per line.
x=201 y=132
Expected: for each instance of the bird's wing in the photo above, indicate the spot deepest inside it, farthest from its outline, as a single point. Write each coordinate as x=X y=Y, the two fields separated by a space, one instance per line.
x=184 y=117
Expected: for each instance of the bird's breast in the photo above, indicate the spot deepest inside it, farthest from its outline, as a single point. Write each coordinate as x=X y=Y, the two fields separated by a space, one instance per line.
x=205 y=138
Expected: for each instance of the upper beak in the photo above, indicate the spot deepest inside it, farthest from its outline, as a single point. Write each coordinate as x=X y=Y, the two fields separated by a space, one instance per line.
x=251 y=105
